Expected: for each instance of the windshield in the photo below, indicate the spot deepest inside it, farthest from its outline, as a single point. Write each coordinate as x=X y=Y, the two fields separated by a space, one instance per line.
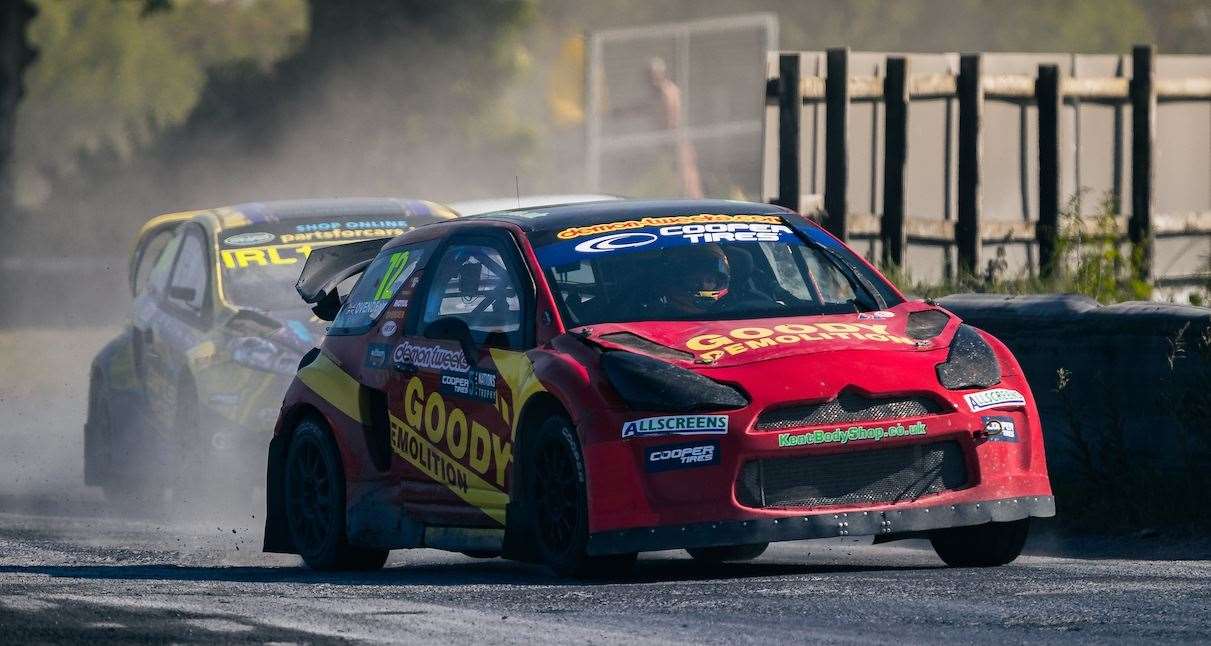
x=705 y=267
x=259 y=263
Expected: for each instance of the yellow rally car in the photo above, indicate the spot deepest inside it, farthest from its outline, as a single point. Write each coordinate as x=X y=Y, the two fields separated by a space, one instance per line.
x=216 y=333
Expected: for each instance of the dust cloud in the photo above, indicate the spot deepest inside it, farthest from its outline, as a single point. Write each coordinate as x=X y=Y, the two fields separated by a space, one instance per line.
x=65 y=266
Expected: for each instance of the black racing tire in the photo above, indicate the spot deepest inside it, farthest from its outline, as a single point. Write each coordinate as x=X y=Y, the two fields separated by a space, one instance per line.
x=98 y=433
x=987 y=545
x=124 y=477
x=555 y=507
x=722 y=553
x=315 y=503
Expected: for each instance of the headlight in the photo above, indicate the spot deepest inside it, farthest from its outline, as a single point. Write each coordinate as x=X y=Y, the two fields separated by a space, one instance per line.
x=649 y=384
x=970 y=363
x=262 y=354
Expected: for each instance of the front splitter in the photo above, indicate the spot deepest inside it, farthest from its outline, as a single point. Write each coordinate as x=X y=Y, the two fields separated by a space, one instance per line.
x=819 y=525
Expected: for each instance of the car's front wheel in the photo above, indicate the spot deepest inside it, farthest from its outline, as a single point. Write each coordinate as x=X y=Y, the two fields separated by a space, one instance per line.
x=555 y=503
x=987 y=545
x=315 y=503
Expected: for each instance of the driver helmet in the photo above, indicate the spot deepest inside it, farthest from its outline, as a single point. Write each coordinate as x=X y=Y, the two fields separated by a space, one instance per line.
x=698 y=275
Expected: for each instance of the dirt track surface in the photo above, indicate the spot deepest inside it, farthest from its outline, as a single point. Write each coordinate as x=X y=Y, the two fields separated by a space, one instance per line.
x=142 y=581
x=72 y=568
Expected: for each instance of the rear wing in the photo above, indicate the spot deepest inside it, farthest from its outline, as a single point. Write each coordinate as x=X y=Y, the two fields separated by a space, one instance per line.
x=328 y=267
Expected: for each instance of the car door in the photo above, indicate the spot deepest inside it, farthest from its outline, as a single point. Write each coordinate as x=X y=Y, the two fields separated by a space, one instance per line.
x=451 y=421
x=181 y=316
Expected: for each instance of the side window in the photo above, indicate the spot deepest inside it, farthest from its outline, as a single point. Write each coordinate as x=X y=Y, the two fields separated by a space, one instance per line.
x=834 y=286
x=187 y=288
x=474 y=283
x=157 y=278
x=149 y=254
x=373 y=291
x=786 y=272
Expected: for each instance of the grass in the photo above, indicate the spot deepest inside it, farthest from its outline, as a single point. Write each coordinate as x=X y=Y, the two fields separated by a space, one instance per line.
x=1091 y=258
x=1117 y=488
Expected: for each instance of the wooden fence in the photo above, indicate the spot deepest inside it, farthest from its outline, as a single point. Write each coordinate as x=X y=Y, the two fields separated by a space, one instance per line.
x=1047 y=91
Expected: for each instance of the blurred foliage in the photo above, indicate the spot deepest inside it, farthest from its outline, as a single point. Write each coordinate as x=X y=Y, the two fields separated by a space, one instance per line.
x=112 y=75
x=163 y=104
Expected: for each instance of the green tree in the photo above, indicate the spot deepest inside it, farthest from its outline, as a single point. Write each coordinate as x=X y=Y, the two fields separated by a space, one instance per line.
x=112 y=75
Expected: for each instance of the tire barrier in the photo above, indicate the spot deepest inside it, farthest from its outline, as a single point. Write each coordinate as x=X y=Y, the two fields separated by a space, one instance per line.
x=1124 y=392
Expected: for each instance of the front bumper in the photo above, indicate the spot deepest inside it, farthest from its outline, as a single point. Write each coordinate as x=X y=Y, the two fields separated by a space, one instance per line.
x=819 y=525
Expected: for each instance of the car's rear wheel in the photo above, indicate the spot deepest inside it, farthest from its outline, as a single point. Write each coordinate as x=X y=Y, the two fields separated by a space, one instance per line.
x=98 y=433
x=555 y=503
x=987 y=545
x=110 y=462
x=722 y=553
x=315 y=503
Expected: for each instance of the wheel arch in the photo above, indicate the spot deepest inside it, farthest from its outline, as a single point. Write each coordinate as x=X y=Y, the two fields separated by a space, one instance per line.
x=102 y=374
x=277 y=534
x=537 y=408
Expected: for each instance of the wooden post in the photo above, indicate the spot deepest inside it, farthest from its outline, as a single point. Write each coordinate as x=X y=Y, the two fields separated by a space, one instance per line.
x=1143 y=134
x=836 y=142
x=895 y=156
x=971 y=109
x=790 y=109
x=1047 y=96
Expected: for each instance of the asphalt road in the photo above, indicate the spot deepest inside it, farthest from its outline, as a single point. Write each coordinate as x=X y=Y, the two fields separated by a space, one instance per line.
x=95 y=578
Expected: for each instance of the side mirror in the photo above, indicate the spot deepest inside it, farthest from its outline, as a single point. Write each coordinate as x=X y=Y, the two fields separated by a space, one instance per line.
x=182 y=293
x=327 y=307
x=449 y=328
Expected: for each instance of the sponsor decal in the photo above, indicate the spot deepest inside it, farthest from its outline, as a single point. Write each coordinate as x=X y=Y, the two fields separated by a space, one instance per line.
x=730 y=232
x=677 y=425
x=338 y=231
x=300 y=331
x=376 y=355
x=1000 y=428
x=264 y=256
x=446 y=444
x=473 y=384
x=249 y=239
x=410 y=356
x=666 y=221
x=681 y=456
x=312 y=227
x=395 y=270
x=711 y=347
x=851 y=434
x=995 y=398
x=389 y=328
x=616 y=241
x=369 y=309
x=871 y=316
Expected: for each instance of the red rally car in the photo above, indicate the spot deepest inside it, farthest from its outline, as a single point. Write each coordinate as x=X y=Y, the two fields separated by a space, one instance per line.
x=576 y=384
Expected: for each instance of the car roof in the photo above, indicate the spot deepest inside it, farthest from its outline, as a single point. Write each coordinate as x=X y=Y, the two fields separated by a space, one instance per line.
x=491 y=205
x=249 y=213
x=548 y=219
x=365 y=207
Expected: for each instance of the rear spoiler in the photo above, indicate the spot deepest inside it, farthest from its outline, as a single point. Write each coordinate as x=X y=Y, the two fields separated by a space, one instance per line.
x=327 y=267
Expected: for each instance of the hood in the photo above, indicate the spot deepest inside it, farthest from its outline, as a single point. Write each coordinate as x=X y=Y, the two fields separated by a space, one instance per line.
x=272 y=341
x=731 y=343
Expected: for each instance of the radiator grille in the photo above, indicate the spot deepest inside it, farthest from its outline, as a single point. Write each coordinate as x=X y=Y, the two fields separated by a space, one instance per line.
x=862 y=477
x=847 y=407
